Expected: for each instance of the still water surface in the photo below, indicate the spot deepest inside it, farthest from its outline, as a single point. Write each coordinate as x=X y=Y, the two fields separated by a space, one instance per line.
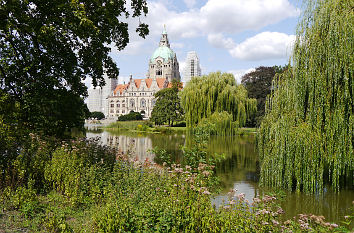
x=239 y=170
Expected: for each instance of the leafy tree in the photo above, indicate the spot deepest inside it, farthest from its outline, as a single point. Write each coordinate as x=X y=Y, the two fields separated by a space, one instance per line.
x=216 y=92
x=47 y=48
x=306 y=136
x=97 y=115
x=168 y=105
x=259 y=84
x=132 y=116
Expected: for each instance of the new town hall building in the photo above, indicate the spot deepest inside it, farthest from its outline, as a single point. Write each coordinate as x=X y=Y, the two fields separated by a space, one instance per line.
x=138 y=94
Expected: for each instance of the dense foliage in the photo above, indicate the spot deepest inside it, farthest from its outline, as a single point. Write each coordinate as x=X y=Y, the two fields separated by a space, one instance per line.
x=167 y=108
x=258 y=84
x=47 y=48
x=306 y=137
x=97 y=115
x=219 y=123
x=90 y=188
x=131 y=116
x=216 y=92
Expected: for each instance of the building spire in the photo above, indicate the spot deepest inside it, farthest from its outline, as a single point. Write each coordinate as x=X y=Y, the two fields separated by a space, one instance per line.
x=164 y=40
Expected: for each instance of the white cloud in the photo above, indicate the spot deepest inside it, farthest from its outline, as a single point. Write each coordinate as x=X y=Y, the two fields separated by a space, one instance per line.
x=133 y=48
x=124 y=79
x=239 y=73
x=238 y=15
x=182 y=65
x=190 y=3
x=177 y=45
x=218 y=16
x=213 y=19
x=265 y=45
x=88 y=82
x=218 y=41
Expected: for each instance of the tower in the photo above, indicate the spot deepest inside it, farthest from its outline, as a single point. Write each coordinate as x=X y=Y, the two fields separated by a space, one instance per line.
x=163 y=62
x=192 y=68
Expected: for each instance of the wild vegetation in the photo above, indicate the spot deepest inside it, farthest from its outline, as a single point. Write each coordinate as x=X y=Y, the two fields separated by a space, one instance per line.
x=216 y=93
x=306 y=138
x=83 y=186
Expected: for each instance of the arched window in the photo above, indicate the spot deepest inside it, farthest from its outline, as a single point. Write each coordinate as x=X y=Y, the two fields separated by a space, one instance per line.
x=158 y=72
x=153 y=103
x=132 y=103
x=143 y=103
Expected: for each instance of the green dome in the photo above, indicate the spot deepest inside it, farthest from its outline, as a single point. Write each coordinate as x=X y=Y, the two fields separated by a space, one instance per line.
x=164 y=52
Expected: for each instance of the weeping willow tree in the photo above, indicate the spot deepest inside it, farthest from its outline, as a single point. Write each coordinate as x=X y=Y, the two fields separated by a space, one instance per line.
x=306 y=137
x=216 y=92
x=219 y=123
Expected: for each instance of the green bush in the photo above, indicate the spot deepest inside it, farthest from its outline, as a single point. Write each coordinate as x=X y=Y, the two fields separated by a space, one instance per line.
x=56 y=223
x=97 y=115
x=79 y=170
x=132 y=116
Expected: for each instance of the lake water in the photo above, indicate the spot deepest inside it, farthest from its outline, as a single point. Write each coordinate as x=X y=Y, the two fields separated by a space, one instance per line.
x=239 y=170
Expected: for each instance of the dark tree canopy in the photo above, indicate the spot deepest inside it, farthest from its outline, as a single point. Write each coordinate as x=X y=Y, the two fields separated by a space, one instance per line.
x=47 y=48
x=97 y=115
x=259 y=84
x=168 y=105
x=132 y=116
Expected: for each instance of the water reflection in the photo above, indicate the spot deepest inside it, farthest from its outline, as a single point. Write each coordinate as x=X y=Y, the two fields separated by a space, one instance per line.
x=239 y=170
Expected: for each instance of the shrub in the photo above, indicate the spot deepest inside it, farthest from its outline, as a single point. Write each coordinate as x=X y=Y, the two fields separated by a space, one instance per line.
x=97 y=115
x=132 y=116
x=79 y=170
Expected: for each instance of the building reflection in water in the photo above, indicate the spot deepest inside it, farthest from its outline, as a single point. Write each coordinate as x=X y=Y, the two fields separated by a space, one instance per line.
x=137 y=147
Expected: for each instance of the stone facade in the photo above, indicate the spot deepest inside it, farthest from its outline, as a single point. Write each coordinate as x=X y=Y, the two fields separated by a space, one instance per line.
x=138 y=94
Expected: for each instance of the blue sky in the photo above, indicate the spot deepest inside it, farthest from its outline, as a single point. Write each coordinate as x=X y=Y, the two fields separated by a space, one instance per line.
x=228 y=35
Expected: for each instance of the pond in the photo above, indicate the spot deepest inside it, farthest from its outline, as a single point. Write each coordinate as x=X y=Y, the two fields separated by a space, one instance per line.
x=239 y=170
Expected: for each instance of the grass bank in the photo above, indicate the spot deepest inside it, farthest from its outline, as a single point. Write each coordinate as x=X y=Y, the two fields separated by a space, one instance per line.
x=142 y=126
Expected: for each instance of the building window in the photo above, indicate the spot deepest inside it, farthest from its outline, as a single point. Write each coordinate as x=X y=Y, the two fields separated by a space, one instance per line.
x=153 y=103
x=143 y=103
x=117 y=111
x=134 y=94
x=112 y=111
x=112 y=105
x=118 y=105
x=158 y=72
x=192 y=68
x=123 y=111
x=132 y=103
x=123 y=105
